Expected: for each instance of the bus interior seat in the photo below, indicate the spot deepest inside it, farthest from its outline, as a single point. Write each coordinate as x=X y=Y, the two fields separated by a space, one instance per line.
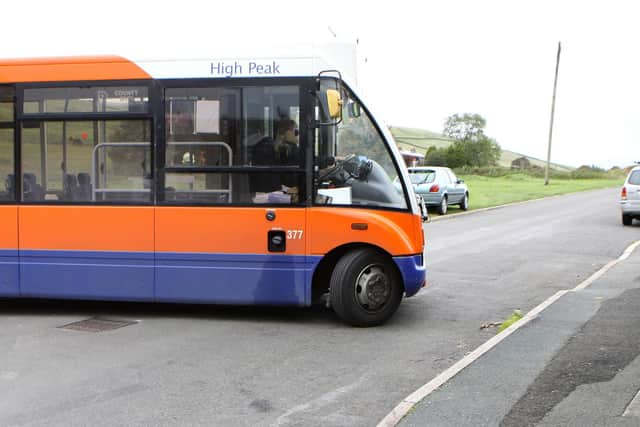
x=84 y=186
x=10 y=186
x=147 y=180
x=169 y=194
x=31 y=190
x=70 y=187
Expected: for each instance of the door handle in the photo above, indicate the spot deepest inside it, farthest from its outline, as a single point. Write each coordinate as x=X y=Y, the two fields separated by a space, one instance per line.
x=276 y=241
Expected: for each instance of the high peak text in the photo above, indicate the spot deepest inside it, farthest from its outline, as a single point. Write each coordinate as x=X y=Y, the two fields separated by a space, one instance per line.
x=253 y=68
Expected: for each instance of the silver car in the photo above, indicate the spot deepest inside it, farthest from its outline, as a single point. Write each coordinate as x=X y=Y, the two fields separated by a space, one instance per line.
x=630 y=197
x=439 y=187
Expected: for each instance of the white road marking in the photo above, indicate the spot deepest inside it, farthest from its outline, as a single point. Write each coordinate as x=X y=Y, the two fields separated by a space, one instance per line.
x=325 y=399
x=595 y=276
x=633 y=410
x=394 y=417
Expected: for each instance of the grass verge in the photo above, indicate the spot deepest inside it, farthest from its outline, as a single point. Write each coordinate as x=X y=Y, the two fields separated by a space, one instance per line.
x=487 y=192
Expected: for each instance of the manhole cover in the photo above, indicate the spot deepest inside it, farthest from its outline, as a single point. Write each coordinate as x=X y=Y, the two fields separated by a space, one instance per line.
x=97 y=324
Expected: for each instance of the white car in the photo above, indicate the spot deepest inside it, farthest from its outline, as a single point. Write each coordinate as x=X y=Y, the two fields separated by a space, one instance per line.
x=630 y=197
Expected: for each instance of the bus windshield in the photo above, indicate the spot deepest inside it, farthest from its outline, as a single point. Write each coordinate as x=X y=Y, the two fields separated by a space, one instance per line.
x=354 y=165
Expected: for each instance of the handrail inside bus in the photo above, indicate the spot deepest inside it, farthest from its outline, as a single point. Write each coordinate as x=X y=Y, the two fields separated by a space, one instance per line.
x=224 y=145
x=96 y=181
x=94 y=168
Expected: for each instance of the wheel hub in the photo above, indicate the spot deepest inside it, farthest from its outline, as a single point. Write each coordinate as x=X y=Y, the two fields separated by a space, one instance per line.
x=373 y=288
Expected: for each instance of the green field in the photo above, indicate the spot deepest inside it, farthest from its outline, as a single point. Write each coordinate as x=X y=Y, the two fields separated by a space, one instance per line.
x=494 y=191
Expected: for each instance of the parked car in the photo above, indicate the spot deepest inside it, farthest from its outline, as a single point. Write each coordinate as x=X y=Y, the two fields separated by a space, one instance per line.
x=630 y=197
x=439 y=187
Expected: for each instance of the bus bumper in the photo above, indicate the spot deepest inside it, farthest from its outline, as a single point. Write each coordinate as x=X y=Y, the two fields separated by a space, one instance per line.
x=413 y=271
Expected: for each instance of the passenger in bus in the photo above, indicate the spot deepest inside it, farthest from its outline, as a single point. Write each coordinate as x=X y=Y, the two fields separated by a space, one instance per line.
x=188 y=159
x=201 y=158
x=198 y=158
x=287 y=149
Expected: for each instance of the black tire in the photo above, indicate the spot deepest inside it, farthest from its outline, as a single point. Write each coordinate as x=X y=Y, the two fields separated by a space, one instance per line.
x=465 y=202
x=627 y=219
x=444 y=206
x=365 y=288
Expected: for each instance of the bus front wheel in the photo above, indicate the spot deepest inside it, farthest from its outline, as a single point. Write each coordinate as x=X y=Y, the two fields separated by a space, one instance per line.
x=365 y=288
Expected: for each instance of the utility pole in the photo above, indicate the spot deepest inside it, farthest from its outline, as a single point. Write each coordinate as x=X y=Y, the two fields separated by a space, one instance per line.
x=553 y=107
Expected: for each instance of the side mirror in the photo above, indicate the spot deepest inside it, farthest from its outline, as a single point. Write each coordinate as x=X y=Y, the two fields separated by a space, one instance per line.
x=335 y=103
x=332 y=96
x=460 y=181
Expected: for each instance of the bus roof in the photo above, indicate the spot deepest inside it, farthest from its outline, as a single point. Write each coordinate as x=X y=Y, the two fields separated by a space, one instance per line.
x=69 y=69
x=291 y=61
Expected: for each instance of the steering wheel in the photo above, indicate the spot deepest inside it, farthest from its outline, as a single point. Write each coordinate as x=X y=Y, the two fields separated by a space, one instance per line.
x=358 y=167
x=352 y=166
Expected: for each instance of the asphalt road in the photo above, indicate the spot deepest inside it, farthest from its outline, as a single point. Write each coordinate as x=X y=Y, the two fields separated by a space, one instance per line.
x=204 y=365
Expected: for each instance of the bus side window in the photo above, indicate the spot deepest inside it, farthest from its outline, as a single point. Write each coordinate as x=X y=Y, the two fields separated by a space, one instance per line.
x=7 y=191
x=232 y=127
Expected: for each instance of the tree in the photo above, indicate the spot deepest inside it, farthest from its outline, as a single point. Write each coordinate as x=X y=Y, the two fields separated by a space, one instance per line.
x=436 y=156
x=456 y=155
x=468 y=127
x=471 y=147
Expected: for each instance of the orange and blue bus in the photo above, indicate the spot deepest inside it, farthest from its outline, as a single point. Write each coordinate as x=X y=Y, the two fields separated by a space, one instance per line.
x=231 y=181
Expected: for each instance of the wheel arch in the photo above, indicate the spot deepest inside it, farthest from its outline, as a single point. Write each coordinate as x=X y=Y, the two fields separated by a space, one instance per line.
x=322 y=273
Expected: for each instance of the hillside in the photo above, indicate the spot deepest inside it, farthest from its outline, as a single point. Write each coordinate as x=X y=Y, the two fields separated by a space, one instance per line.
x=421 y=140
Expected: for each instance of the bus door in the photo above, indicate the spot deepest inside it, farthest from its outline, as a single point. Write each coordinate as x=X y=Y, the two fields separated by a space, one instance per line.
x=8 y=210
x=230 y=224
x=231 y=255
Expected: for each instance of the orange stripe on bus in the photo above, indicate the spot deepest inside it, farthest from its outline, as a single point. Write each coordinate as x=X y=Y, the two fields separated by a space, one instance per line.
x=69 y=69
x=227 y=230
x=87 y=228
x=9 y=221
x=391 y=231
x=208 y=229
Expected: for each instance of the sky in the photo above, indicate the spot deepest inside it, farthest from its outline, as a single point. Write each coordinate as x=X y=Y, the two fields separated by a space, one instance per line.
x=418 y=61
